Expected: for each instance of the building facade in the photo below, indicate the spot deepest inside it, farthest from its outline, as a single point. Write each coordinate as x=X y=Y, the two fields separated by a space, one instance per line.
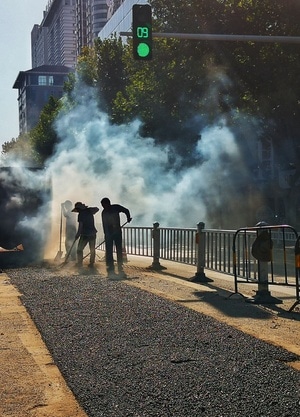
x=53 y=41
x=119 y=17
x=96 y=18
x=34 y=89
x=80 y=25
x=67 y=26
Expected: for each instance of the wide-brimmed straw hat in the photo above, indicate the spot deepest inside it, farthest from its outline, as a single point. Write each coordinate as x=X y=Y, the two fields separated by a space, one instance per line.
x=79 y=206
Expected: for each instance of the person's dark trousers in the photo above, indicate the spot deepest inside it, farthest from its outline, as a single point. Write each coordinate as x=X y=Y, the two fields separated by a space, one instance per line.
x=70 y=236
x=118 y=243
x=110 y=240
x=83 y=241
x=68 y=245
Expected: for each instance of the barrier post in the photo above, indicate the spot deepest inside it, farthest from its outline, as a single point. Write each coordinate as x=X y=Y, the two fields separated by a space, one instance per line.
x=297 y=266
x=200 y=241
x=156 y=247
x=263 y=295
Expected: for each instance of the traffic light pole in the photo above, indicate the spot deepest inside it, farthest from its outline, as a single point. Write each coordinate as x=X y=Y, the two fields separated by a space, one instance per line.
x=229 y=38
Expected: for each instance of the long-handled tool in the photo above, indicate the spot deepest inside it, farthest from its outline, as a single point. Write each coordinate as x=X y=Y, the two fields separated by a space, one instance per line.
x=68 y=254
x=98 y=246
x=59 y=253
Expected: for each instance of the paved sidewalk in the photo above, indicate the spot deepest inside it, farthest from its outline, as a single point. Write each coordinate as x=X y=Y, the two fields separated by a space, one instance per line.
x=32 y=384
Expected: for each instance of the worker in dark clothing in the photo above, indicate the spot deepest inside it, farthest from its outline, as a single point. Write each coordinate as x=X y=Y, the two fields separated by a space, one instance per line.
x=113 y=233
x=86 y=231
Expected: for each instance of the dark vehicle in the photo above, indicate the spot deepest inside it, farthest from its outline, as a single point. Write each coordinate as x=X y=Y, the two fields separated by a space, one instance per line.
x=24 y=223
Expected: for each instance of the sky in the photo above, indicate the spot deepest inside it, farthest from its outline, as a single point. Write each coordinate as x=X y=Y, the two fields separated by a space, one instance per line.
x=17 y=18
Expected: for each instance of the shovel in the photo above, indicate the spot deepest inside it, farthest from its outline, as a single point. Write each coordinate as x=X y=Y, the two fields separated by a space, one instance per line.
x=59 y=253
x=68 y=254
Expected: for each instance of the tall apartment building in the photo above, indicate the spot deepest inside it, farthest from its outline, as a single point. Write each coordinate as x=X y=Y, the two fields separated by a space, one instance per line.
x=56 y=43
x=53 y=41
x=66 y=27
x=97 y=12
x=80 y=25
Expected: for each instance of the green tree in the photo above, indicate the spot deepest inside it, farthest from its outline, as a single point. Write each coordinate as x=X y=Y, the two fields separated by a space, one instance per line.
x=189 y=78
x=208 y=79
x=163 y=93
x=214 y=78
x=111 y=77
x=101 y=66
x=43 y=137
x=19 y=148
x=87 y=66
x=70 y=84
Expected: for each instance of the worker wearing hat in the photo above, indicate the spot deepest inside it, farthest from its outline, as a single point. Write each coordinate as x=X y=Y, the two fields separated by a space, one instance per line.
x=86 y=231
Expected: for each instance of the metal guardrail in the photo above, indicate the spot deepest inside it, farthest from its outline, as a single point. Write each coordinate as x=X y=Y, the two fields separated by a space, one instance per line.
x=267 y=261
x=138 y=240
x=224 y=251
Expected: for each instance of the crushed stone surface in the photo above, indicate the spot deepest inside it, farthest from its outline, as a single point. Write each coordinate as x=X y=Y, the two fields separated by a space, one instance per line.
x=126 y=352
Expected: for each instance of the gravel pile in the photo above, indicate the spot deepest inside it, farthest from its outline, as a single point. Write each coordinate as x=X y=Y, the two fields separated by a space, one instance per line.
x=125 y=352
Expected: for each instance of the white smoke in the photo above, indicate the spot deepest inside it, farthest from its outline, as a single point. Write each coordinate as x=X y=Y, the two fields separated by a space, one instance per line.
x=96 y=159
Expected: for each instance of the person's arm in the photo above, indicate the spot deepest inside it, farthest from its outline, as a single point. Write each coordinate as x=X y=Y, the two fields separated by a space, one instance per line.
x=94 y=210
x=126 y=212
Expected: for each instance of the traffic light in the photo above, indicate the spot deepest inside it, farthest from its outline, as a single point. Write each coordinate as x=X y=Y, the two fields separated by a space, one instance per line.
x=142 y=31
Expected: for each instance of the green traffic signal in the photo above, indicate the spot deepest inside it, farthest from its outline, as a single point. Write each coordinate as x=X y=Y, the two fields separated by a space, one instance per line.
x=142 y=31
x=143 y=50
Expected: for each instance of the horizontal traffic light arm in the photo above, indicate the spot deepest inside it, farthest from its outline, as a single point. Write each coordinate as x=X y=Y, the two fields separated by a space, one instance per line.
x=231 y=38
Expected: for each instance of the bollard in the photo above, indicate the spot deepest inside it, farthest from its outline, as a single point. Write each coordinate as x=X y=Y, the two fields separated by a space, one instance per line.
x=263 y=295
x=156 y=247
x=297 y=265
x=200 y=240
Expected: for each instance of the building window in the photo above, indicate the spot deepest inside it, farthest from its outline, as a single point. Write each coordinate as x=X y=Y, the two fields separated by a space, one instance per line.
x=51 y=80
x=42 y=80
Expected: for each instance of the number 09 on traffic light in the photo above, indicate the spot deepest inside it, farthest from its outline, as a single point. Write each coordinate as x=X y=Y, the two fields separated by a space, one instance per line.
x=142 y=31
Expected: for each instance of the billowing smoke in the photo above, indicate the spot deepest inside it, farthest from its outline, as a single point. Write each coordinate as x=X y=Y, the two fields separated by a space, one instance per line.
x=95 y=159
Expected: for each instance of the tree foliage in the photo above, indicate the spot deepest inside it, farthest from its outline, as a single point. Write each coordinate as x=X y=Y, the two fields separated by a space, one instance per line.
x=43 y=137
x=19 y=148
x=187 y=79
